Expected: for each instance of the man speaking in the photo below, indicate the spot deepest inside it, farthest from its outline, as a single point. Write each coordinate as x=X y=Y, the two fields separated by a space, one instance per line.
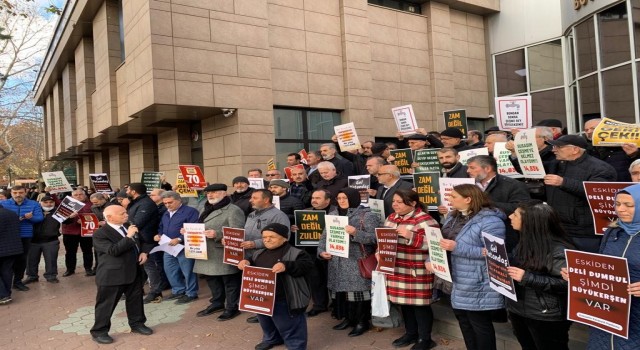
x=119 y=271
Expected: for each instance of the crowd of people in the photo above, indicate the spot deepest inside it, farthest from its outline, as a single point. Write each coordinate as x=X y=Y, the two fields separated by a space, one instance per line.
x=538 y=219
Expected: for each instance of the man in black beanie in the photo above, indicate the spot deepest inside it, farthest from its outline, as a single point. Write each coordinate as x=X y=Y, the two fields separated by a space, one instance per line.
x=452 y=137
x=242 y=195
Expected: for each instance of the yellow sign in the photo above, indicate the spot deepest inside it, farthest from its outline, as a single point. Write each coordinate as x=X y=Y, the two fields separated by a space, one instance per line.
x=271 y=165
x=611 y=133
x=182 y=188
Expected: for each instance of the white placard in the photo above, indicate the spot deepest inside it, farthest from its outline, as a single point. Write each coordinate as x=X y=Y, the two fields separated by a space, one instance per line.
x=446 y=186
x=276 y=201
x=505 y=167
x=437 y=255
x=405 y=119
x=465 y=155
x=347 y=137
x=195 y=242
x=256 y=183
x=528 y=154
x=513 y=112
x=337 y=236
x=377 y=207
x=56 y=181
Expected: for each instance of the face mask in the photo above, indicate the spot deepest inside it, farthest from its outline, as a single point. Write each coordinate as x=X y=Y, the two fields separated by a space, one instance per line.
x=47 y=208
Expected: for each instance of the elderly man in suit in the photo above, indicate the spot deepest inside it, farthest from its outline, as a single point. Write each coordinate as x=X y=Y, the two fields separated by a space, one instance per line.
x=390 y=182
x=119 y=271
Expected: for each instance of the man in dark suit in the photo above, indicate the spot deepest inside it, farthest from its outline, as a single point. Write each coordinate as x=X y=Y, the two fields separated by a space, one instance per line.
x=119 y=271
x=390 y=182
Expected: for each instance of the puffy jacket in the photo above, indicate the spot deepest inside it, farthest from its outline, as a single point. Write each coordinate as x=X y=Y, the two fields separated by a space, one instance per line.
x=27 y=206
x=471 y=290
x=543 y=296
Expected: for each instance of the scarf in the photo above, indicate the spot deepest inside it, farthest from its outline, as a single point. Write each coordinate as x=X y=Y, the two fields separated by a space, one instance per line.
x=210 y=208
x=633 y=227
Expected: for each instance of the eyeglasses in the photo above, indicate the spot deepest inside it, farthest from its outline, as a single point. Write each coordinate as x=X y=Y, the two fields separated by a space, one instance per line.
x=269 y=175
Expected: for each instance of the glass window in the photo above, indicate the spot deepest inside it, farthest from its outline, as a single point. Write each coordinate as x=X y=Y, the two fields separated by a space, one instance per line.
x=283 y=149
x=635 y=15
x=511 y=74
x=586 y=46
x=398 y=5
x=320 y=124
x=545 y=65
x=288 y=124
x=614 y=35
x=549 y=104
x=121 y=30
x=617 y=86
x=589 y=95
x=572 y=62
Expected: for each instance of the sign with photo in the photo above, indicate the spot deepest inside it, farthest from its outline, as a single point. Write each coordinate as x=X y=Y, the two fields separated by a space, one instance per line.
x=362 y=184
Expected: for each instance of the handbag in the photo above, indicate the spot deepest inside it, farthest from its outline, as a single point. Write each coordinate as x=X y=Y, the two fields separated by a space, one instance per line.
x=366 y=263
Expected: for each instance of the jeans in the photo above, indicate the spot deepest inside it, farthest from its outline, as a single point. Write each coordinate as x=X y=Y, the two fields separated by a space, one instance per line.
x=179 y=271
x=282 y=327
x=20 y=263
x=477 y=329
x=540 y=335
x=418 y=320
x=154 y=267
x=225 y=288
x=6 y=275
x=71 y=243
x=50 y=252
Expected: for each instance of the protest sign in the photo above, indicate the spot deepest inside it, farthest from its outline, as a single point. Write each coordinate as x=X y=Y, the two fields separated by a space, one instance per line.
x=89 y=223
x=67 y=207
x=505 y=167
x=387 y=249
x=271 y=165
x=256 y=183
x=337 y=236
x=304 y=157
x=428 y=185
x=233 y=252
x=258 y=290
x=405 y=119
x=446 y=186
x=289 y=169
x=195 y=242
x=276 y=201
x=528 y=155
x=598 y=294
x=56 y=181
x=513 y=112
x=310 y=224
x=466 y=155
x=601 y=196
x=377 y=207
x=497 y=264
x=182 y=188
x=347 y=137
x=100 y=183
x=456 y=119
x=193 y=176
x=403 y=159
x=151 y=179
x=437 y=255
x=361 y=183
x=611 y=133
x=427 y=160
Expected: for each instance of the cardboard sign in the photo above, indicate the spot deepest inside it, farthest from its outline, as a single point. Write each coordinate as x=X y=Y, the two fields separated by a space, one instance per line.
x=601 y=196
x=256 y=182
x=258 y=290
x=89 y=223
x=505 y=167
x=195 y=242
x=427 y=160
x=598 y=294
x=437 y=255
x=271 y=165
x=101 y=183
x=288 y=170
x=337 y=236
x=611 y=133
x=405 y=119
x=56 y=181
x=310 y=226
x=528 y=155
x=193 y=176
x=233 y=252
x=428 y=186
x=456 y=119
x=151 y=179
x=403 y=159
x=276 y=201
x=387 y=249
x=304 y=157
x=513 y=112
x=446 y=186
x=347 y=137
x=68 y=206
x=362 y=184
x=377 y=207
x=182 y=189
x=497 y=264
x=468 y=154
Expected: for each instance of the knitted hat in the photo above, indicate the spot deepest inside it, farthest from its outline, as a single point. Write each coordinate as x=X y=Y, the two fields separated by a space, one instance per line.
x=378 y=148
x=452 y=132
x=280 y=229
x=279 y=182
x=240 y=179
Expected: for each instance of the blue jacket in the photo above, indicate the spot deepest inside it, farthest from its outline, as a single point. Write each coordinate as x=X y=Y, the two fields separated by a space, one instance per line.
x=170 y=227
x=28 y=206
x=471 y=290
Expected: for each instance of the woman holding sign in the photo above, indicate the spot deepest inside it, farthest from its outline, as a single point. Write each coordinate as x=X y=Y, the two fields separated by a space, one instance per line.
x=410 y=286
x=472 y=298
x=539 y=317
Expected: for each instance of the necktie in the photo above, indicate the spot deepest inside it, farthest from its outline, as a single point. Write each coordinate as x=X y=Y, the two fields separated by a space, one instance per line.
x=384 y=192
x=124 y=232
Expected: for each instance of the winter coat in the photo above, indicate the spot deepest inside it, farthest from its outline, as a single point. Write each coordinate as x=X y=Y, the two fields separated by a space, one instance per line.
x=259 y=219
x=227 y=216
x=289 y=204
x=616 y=157
x=458 y=171
x=333 y=186
x=410 y=283
x=343 y=166
x=143 y=212
x=241 y=200
x=343 y=273
x=170 y=225
x=10 y=242
x=27 y=206
x=48 y=230
x=506 y=193
x=471 y=290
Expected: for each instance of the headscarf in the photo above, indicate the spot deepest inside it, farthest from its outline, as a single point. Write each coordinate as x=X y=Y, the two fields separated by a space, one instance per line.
x=353 y=196
x=633 y=227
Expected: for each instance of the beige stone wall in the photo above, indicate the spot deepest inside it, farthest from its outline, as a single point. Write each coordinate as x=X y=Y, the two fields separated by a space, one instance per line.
x=58 y=117
x=101 y=162
x=142 y=157
x=85 y=85
x=174 y=148
x=49 y=127
x=86 y=167
x=69 y=98
x=119 y=165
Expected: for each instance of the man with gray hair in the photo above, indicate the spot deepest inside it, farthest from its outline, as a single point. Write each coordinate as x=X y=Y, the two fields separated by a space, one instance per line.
x=331 y=180
x=344 y=167
x=390 y=182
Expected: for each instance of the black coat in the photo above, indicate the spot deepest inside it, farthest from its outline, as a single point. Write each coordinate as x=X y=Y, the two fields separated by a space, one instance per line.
x=617 y=158
x=289 y=204
x=10 y=242
x=333 y=186
x=143 y=212
x=241 y=200
x=506 y=193
x=458 y=171
x=388 y=196
x=47 y=230
x=117 y=257
x=343 y=166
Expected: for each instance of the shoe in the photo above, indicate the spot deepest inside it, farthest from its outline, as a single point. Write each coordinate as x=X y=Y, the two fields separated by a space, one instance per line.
x=211 y=309
x=315 y=312
x=53 y=280
x=30 y=280
x=68 y=273
x=254 y=319
x=405 y=340
x=5 y=300
x=90 y=273
x=423 y=344
x=152 y=298
x=228 y=315
x=144 y=330
x=20 y=286
x=266 y=346
x=342 y=325
x=103 y=339
x=359 y=329
x=174 y=296
x=185 y=299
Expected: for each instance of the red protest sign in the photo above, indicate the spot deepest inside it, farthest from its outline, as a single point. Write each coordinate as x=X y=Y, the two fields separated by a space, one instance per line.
x=387 y=249
x=304 y=156
x=598 y=294
x=89 y=223
x=233 y=252
x=258 y=291
x=601 y=196
x=193 y=176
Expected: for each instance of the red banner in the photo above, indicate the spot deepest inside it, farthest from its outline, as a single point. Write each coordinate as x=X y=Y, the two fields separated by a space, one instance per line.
x=387 y=249
x=601 y=196
x=258 y=291
x=193 y=176
x=89 y=224
x=233 y=253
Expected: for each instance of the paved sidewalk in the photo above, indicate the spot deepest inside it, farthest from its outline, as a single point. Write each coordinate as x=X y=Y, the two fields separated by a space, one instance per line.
x=59 y=316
